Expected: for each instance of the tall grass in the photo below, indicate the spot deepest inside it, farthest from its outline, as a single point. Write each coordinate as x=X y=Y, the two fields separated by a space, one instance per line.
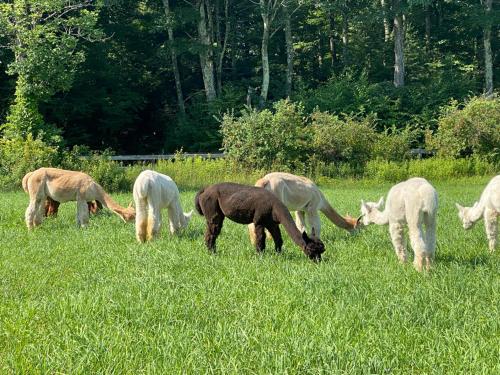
x=95 y=301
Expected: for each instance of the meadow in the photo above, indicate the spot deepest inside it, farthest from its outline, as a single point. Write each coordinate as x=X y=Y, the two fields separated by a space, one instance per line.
x=94 y=301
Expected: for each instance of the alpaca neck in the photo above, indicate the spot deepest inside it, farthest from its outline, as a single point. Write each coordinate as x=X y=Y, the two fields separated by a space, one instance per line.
x=476 y=212
x=380 y=217
x=282 y=215
x=109 y=203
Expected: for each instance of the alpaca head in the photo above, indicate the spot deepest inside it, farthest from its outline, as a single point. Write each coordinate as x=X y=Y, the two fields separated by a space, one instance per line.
x=128 y=214
x=355 y=223
x=369 y=209
x=314 y=247
x=464 y=215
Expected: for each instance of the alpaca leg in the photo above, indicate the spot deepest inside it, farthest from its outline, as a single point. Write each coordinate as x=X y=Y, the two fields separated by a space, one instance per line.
x=154 y=221
x=251 y=233
x=491 y=226
x=418 y=245
x=430 y=239
x=214 y=227
x=274 y=229
x=396 y=231
x=82 y=213
x=33 y=215
x=141 y=219
x=300 y=220
x=314 y=222
x=260 y=238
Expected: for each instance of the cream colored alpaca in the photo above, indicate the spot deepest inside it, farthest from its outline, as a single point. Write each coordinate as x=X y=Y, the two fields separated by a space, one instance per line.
x=64 y=186
x=414 y=203
x=488 y=207
x=152 y=192
x=301 y=195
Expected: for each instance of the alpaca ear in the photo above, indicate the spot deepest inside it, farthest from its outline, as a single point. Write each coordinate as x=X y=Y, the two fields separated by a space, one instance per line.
x=380 y=203
x=305 y=237
x=358 y=220
x=313 y=232
x=131 y=204
x=460 y=208
x=188 y=215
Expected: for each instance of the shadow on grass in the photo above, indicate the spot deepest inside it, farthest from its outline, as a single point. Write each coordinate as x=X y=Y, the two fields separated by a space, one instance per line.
x=475 y=261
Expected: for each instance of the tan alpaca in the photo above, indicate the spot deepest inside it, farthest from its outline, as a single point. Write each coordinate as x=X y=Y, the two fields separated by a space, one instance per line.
x=301 y=195
x=64 y=186
x=488 y=208
x=413 y=203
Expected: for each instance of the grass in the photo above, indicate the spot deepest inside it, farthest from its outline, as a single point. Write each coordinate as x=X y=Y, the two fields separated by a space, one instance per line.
x=95 y=301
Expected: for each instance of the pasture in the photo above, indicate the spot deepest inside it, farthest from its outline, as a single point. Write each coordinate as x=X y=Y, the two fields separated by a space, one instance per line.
x=95 y=301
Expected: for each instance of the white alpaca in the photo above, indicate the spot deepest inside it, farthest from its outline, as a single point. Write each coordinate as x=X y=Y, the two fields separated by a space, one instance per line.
x=152 y=192
x=488 y=207
x=413 y=202
x=301 y=195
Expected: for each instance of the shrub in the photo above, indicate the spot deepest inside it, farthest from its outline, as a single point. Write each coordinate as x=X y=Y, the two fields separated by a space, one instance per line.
x=395 y=145
x=19 y=156
x=473 y=129
x=266 y=138
x=349 y=141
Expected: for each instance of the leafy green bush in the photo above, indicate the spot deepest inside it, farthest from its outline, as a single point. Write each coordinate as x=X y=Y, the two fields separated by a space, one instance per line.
x=266 y=138
x=349 y=141
x=394 y=145
x=19 y=156
x=472 y=129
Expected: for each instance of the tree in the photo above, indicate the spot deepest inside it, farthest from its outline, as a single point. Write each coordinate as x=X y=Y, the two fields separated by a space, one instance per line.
x=488 y=56
x=44 y=38
x=205 y=35
x=173 y=56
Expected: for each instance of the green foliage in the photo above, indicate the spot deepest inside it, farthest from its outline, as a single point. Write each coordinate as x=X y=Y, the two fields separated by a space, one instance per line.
x=470 y=129
x=266 y=138
x=350 y=140
x=19 y=156
x=395 y=145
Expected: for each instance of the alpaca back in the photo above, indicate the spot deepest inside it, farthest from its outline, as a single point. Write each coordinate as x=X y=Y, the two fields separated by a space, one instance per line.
x=411 y=197
x=491 y=194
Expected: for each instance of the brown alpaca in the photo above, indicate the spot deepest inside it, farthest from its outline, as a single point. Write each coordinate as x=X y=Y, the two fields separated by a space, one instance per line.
x=248 y=204
x=63 y=186
x=52 y=206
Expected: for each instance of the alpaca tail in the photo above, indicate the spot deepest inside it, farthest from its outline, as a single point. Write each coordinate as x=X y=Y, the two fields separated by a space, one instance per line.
x=346 y=223
x=25 y=181
x=197 y=202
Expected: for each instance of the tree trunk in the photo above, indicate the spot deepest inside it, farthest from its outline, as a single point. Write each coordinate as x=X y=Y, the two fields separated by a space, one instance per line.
x=289 y=52
x=331 y=36
x=427 y=26
x=206 y=54
x=399 y=65
x=173 y=56
x=345 y=40
x=387 y=26
x=222 y=43
x=488 y=56
x=265 y=61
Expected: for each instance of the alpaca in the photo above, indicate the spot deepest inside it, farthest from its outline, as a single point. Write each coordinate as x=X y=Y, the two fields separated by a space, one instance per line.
x=488 y=207
x=63 y=186
x=413 y=202
x=152 y=192
x=248 y=204
x=52 y=207
x=301 y=195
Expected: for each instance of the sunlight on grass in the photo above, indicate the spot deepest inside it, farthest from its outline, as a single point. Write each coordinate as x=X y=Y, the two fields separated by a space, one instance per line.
x=93 y=300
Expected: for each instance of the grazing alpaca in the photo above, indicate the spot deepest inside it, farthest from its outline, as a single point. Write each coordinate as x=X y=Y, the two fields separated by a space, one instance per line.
x=413 y=202
x=64 y=186
x=248 y=204
x=488 y=207
x=152 y=192
x=301 y=195
x=52 y=207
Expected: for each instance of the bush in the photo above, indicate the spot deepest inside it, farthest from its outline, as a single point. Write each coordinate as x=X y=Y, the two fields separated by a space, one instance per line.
x=472 y=129
x=266 y=138
x=349 y=141
x=19 y=156
x=395 y=145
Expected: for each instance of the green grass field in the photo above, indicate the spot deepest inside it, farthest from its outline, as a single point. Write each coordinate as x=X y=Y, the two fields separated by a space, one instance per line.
x=95 y=301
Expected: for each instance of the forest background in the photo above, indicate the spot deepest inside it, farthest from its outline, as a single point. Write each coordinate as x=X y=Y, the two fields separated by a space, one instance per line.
x=362 y=79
